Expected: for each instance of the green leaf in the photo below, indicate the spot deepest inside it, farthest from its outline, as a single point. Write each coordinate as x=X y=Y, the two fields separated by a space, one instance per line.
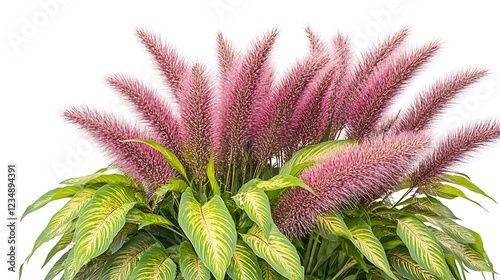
x=309 y=153
x=169 y=156
x=176 y=186
x=282 y=181
x=49 y=196
x=145 y=219
x=61 y=244
x=211 y=230
x=192 y=267
x=244 y=264
x=333 y=224
x=449 y=192
x=119 y=266
x=278 y=251
x=113 y=178
x=83 y=179
x=57 y=267
x=155 y=264
x=452 y=265
x=432 y=204
x=65 y=219
x=403 y=263
x=211 y=174
x=456 y=231
x=255 y=203
x=268 y=273
x=466 y=254
x=366 y=242
x=466 y=183
x=102 y=218
x=422 y=246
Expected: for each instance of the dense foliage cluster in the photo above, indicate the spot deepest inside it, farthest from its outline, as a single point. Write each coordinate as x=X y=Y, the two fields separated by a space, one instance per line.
x=304 y=175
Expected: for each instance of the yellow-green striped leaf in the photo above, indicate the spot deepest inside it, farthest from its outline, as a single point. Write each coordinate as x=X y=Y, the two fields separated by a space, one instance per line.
x=309 y=153
x=112 y=178
x=456 y=231
x=65 y=219
x=256 y=204
x=431 y=204
x=268 y=273
x=102 y=218
x=244 y=264
x=282 y=181
x=278 y=251
x=172 y=160
x=119 y=266
x=192 y=267
x=57 y=267
x=211 y=230
x=83 y=179
x=49 y=196
x=155 y=264
x=403 y=263
x=61 y=245
x=466 y=254
x=368 y=244
x=450 y=192
x=145 y=219
x=332 y=224
x=422 y=246
x=175 y=186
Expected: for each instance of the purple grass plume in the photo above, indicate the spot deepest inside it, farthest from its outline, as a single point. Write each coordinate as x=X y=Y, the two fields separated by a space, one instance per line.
x=196 y=106
x=139 y=161
x=455 y=149
x=153 y=110
x=436 y=99
x=362 y=172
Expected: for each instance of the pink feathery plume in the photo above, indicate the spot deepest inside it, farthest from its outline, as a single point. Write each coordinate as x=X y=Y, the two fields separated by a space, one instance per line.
x=152 y=109
x=382 y=86
x=172 y=66
x=435 y=100
x=196 y=106
x=139 y=161
x=273 y=122
x=316 y=45
x=370 y=61
x=455 y=149
x=359 y=173
x=227 y=56
x=242 y=98
x=305 y=124
x=334 y=103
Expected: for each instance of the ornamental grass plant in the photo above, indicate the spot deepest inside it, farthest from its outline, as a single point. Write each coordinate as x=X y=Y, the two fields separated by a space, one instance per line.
x=305 y=175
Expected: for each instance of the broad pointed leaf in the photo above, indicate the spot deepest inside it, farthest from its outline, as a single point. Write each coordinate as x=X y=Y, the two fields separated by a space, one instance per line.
x=431 y=204
x=119 y=266
x=84 y=179
x=466 y=183
x=211 y=174
x=176 y=186
x=268 y=273
x=403 y=263
x=450 y=192
x=192 y=267
x=310 y=152
x=49 y=196
x=244 y=264
x=61 y=245
x=256 y=204
x=155 y=264
x=333 y=224
x=102 y=218
x=145 y=219
x=368 y=244
x=113 y=178
x=57 y=268
x=211 y=230
x=422 y=246
x=278 y=251
x=282 y=181
x=456 y=231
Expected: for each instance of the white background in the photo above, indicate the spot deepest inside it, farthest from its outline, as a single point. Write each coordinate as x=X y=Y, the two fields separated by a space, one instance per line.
x=57 y=55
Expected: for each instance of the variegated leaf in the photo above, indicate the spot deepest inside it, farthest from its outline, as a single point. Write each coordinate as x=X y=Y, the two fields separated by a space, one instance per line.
x=192 y=267
x=244 y=264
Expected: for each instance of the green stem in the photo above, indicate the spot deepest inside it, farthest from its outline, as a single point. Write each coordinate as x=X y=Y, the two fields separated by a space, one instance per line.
x=229 y=169
x=313 y=250
x=308 y=250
